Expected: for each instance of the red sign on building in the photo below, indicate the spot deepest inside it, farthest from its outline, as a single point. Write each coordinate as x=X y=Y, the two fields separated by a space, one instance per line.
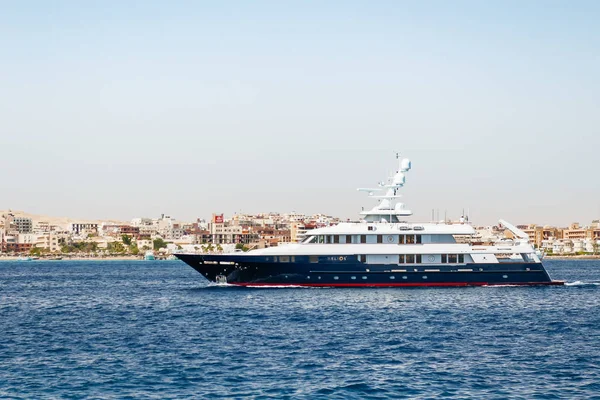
x=218 y=219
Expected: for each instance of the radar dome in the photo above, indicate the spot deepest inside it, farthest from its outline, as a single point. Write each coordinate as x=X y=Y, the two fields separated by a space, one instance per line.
x=405 y=165
x=399 y=179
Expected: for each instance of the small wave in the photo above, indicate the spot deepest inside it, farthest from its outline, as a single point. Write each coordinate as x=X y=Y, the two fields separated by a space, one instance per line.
x=580 y=283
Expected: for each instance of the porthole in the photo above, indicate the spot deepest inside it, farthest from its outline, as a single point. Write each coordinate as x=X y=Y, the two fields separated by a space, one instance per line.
x=424 y=276
x=405 y=277
x=319 y=277
x=353 y=277
x=392 y=277
x=308 y=277
x=505 y=276
x=336 y=278
x=364 y=277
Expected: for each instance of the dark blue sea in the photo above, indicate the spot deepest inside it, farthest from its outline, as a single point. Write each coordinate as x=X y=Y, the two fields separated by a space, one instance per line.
x=156 y=329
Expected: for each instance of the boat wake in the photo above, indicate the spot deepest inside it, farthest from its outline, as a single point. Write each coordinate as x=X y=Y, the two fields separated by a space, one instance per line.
x=580 y=283
x=220 y=285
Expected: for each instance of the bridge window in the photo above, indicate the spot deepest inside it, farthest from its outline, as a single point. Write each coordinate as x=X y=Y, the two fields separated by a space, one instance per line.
x=410 y=239
x=401 y=259
x=379 y=238
x=348 y=238
x=363 y=238
x=418 y=239
x=336 y=238
x=321 y=239
x=444 y=258
x=461 y=258
x=452 y=258
x=410 y=258
x=418 y=259
x=400 y=239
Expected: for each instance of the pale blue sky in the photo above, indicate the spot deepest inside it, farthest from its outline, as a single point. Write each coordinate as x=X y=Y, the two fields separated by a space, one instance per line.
x=134 y=108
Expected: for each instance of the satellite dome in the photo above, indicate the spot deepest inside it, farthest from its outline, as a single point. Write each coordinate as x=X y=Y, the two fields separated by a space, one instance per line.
x=405 y=165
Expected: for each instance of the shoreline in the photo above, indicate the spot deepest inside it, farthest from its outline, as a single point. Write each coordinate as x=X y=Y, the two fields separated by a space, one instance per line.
x=75 y=258
x=574 y=257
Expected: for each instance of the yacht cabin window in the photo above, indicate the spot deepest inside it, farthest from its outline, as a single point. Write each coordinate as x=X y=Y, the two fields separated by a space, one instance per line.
x=348 y=238
x=310 y=239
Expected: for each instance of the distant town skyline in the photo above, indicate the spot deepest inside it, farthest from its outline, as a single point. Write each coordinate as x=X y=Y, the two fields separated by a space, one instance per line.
x=118 y=110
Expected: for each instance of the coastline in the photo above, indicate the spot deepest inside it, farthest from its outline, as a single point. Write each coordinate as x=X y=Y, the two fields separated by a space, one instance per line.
x=76 y=258
x=573 y=257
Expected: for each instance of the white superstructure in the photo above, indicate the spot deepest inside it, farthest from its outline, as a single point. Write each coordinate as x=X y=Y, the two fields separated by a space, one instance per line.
x=384 y=237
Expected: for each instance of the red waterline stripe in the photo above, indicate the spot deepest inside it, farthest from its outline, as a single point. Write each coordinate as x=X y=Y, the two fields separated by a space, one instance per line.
x=449 y=284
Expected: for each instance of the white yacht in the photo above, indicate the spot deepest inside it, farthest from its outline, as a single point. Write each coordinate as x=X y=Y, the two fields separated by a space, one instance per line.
x=382 y=250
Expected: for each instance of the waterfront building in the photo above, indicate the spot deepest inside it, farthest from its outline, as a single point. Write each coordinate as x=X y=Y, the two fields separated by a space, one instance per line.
x=119 y=230
x=23 y=224
x=168 y=229
x=52 y=241
x=273 y=236
x=84 y=228
x=145 y=244
x=222 y=232
x=575 y=232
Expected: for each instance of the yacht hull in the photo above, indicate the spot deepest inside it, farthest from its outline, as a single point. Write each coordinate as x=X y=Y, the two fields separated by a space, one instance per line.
x=332 y=271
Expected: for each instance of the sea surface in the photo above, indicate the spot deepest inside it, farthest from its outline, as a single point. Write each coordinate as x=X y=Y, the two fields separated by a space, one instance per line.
x=156 y=329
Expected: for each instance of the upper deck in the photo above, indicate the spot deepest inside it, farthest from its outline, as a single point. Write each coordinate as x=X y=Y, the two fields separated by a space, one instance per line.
x=382 y=228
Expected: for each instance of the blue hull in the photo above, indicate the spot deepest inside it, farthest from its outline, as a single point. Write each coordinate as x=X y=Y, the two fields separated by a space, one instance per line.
x=331 y=271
